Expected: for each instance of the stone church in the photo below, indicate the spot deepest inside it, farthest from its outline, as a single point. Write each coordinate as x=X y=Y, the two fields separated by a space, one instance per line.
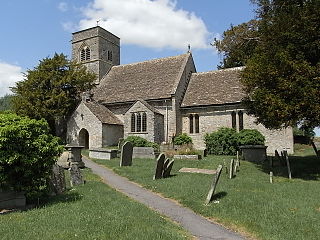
x=156 y=99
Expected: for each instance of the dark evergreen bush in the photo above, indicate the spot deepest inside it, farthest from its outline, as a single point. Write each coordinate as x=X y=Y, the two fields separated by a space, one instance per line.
x=182 y=139
x=222 y=142
x=250 y=137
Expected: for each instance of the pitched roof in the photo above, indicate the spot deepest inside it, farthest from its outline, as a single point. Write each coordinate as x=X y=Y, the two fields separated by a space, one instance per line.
x=215 y=87
x=151 y=108
x=103 y=113
x=154 y=79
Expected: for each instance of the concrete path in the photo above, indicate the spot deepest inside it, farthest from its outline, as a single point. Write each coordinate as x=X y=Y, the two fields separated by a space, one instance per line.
x=198 y=226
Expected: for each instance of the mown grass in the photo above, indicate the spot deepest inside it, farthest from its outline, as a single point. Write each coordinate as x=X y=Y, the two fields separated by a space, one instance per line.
x=286 y=209
x=91 y=211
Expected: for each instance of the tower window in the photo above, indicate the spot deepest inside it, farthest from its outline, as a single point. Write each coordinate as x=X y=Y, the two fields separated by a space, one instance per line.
x=109 y=55
x=85 y=54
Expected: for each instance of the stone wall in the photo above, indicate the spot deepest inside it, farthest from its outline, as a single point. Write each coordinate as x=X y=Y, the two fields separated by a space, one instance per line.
x=111 y=134
x=212 y=118
x=83 y=118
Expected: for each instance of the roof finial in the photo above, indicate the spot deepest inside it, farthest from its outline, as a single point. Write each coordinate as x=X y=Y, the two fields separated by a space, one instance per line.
x=189 y=48
x=98 y=23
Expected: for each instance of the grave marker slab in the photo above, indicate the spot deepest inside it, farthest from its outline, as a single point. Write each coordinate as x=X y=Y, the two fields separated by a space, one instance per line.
x=75 y=175
x=126 y=154
x=159 y=166
x=58 y=179
x=231 y=170
x=285 y=153
x=167 y=170
x=214 y=184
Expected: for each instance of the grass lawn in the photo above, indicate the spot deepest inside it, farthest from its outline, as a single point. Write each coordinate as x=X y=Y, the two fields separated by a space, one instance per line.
x=286 y=209
x=91 y=211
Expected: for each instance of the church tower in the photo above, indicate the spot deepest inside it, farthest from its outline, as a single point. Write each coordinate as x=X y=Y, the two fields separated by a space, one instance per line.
x=97 y=49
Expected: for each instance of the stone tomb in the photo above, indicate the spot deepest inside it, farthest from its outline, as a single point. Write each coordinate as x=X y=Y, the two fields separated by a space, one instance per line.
x=143 y=152
x=58 y=179
x=214 y=184
x=102 y=153
x=126 y=154
x=75 y=175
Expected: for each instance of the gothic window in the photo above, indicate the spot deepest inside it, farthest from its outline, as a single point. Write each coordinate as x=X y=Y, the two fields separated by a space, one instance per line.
x=133 y=122
x=144 y=122
x=196 y=123
x=85 y=54
x=110 y=55
x=240 y=114
x=191 y=123
x=233 y=119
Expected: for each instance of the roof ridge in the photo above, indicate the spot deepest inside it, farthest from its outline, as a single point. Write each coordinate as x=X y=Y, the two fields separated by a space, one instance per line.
x=220 y=70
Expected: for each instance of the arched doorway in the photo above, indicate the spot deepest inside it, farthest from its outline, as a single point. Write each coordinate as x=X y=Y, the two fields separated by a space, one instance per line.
x=84 y=138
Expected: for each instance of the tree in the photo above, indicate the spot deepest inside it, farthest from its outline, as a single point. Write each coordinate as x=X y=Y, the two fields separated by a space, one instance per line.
x=52 y=89
x=27 y=153
x=237 y=44
x=282 y=77
x=5 y=103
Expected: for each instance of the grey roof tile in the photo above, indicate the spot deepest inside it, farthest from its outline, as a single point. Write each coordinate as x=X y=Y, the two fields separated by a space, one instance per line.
x=103 y=113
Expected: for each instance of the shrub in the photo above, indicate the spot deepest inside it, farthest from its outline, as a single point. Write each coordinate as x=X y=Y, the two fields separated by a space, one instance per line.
x=222 y=142
x=27 y=153
x=250 y=137
x=141 y=142
x=182 y=139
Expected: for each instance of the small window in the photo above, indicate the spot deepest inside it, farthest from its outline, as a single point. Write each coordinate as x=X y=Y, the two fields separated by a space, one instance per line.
x=133 y=122
x=85 y=54
x=144 y=122
x=196 y=123
x=191 y=123
x=110 y=55
x=138 y=122
x=234 y=121
x=240 y=114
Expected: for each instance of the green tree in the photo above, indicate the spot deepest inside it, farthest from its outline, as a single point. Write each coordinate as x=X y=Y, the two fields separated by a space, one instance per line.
x=282 y=77
x=6 y=103
x=237 y=44
x=52 y=89
x=27 y=153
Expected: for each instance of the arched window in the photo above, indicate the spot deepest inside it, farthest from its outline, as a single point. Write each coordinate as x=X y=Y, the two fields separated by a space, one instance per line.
x=138 y=122
x=85 y=54
x=233 y=119
x=240 y=114
x=196 y=123
x=144 y=122
x=191 y=123
x=133 y=122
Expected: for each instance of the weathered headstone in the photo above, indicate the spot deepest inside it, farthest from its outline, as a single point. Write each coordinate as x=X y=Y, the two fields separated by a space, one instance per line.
x=165 y=165
x=58 y=179
x=167 y=170
x=271 y=177
x=126 y=154
x=214 y=184
x=75 y=175
x=231 y=170
x=285 y=153
x=159 y=166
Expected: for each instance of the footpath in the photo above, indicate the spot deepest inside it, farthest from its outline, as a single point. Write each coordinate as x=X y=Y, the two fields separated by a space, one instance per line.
x=198 y=226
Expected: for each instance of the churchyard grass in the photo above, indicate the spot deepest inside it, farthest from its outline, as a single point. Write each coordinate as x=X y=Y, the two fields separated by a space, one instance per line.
x=248 y=203
x=90 y=211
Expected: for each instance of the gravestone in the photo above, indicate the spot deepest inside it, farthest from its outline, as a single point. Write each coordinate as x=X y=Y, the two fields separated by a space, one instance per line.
x=126 y=154
x=75 y=175
x=214 y=184
x=165 y=164
x=58 y=179
x=231 y=170
x=168 y=168
x=159 y=167
x=285 y=153
x=315 y=149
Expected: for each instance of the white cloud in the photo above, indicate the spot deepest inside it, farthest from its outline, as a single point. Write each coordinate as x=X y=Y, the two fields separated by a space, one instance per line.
x=63 y=6
x=9 y=75
x=148 y=23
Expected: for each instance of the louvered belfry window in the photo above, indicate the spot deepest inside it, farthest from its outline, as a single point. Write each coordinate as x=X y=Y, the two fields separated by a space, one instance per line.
x=85 y=54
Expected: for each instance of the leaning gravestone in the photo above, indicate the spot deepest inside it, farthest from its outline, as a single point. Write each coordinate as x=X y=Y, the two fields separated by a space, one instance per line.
x=165 y=164
x=231 y=170
x=75 y=175
x=214 y=184
x=159 y=167
x=126 y=154
x=58 y=179
x=167 y=169
x=285 y=153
